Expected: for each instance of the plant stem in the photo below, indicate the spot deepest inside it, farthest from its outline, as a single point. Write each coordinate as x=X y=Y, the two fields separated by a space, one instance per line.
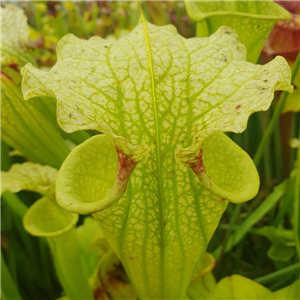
x=278 y=153
x=69 y=265
x=59 y=230
x=275 y=275
x=296 y=223
x=233 y=220
x=5 y=159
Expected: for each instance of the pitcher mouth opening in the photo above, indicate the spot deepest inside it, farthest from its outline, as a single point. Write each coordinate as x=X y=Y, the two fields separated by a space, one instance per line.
x=225 y=169
x=45 y=218
x=94 y=176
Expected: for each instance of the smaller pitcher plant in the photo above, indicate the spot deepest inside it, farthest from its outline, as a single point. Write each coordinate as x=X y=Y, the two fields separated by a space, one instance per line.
x=162 y=172
x=48 y=220
x=83 y=261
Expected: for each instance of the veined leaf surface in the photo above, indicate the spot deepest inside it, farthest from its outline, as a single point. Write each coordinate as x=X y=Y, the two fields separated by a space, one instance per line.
x=14 y=39
x=29 y=127
x=157 y=96
x=237 y=287
x=253 y=20
x=31 y=177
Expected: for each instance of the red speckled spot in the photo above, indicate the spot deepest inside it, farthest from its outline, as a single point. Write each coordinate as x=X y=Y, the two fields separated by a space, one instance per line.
x=126 y=165
x=198 y=166
x=6 y=76
x=15 y=67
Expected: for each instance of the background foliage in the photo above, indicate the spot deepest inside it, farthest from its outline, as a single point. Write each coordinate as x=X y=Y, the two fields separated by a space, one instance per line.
x=259 y=239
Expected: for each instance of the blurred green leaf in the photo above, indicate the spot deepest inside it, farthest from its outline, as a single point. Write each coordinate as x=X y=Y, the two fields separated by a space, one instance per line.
x=14 y=39
x=92 y=242
x=46 y=219
x=291 y=292
x=280 y=251
x=203 y=281
x=9 y=289
x=273 y=233
x=26 y=127
x=110 y=282
x=238 y=287
x=252 y=20
x=282 y=248
x=31 y=177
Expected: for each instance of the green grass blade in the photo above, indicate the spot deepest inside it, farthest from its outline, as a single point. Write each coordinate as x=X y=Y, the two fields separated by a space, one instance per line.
x=296 y=223
x=287 y=272
x=233 y=220
x=264 y=208
x=9 y=290
x=5 y=159
x=15 y=204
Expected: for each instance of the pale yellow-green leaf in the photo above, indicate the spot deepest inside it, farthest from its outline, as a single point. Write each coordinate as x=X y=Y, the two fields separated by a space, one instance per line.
x=202 y=287
x=92 y=243
x=280 y=251
x=14 y=34
x=14 y=29
x=253 y=20
x=110 y=281
x=273 y=233
x=85 y=181
x=157 y=96
x=31 y=177
x=291 y=292
x=91 y=237
x=203 y=281
x=205 y=265
x=46 y=219
x=30 y=127
x=282 y=248
x=226 y=170
x=238 y=287
x=202 y=79
x=93 y=165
